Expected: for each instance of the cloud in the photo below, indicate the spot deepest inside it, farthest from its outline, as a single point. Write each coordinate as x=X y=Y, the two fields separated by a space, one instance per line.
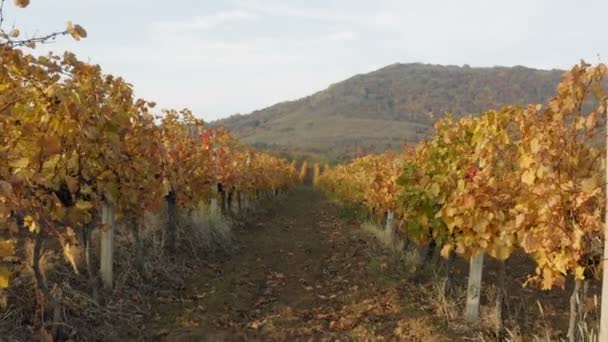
x=342 y=36
x=278 y=9
x=219 y=57
x=376 y=17
x=204 y=23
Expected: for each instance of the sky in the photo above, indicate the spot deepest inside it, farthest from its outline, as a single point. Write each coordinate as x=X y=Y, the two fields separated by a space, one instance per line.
x=224 y=57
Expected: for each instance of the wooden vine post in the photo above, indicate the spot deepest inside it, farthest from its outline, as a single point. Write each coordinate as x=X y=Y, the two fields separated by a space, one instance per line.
x=230 y=207
x=390 y=217
x=222 y=198
x=171 y=220
x=474 y=288
x=604 y=311
x=247 y=202
x=107 y=245
x=213 y=206
x=239 y=202
x=215 y=186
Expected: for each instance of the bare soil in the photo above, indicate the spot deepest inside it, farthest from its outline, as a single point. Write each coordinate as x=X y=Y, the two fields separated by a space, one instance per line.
x=300 y=273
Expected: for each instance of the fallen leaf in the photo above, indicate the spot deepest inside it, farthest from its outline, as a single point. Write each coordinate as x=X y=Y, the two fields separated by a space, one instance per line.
x=342 y=324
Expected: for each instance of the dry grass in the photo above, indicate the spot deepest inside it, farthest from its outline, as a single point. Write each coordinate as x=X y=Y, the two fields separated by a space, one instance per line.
x=130 y=302
x=204 y=231
x=448 y=307
x=406 y=262
x=544 y=329
x=518 y=315
x=587 y=327
x=385 y=237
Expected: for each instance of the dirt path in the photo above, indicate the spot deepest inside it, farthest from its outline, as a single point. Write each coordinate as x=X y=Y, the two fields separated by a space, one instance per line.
x=300 y=273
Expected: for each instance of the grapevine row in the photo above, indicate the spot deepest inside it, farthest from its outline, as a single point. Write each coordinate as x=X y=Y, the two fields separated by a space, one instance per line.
x=76 y=145
x=529 y=178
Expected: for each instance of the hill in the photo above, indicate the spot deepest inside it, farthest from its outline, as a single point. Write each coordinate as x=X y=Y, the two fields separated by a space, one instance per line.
x=385 y=108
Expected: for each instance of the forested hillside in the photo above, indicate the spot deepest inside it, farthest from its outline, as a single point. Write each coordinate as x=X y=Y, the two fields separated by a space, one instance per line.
x=383 y=109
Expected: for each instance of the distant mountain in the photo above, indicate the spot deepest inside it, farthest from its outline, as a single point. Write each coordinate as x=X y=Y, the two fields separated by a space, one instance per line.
x=383 y=109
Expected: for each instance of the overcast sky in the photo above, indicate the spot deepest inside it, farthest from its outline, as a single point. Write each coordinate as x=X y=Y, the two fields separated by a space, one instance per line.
x=234 y=56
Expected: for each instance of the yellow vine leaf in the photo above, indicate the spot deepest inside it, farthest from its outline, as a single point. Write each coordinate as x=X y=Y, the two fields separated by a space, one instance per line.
x=520 y=219
x=525 y=161
x=579 y=273
x=534 y=145
x=84 y=205
x=469 y=202
x=76 y=31
x=445 y=251
x=528 y=177
x=22 y=3
x=501 y=252
x=5 y=274
x=7 y=248
x=31 y=224
x=548 y=279
x=591 y=121
x=20 y=163
x=544 y=171
x=480 y=225
x=166 y=186
x=72 y=184
x=434 y=189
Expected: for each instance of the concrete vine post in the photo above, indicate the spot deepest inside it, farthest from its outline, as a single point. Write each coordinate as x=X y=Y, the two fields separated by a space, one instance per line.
x=213 y=206
x=474 y=288
x=107 y=246
x=390 y=217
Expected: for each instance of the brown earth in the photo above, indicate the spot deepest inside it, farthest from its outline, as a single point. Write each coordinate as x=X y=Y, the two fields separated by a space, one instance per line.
x=301 y=273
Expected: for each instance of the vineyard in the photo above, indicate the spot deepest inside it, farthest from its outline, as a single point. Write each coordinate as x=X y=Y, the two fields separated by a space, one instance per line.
x=529 y=179
x=85 y=167
x=121 y=221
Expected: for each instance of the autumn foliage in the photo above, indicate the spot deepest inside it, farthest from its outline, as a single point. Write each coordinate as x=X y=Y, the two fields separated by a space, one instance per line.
x=518 y=177
x=73 y=138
